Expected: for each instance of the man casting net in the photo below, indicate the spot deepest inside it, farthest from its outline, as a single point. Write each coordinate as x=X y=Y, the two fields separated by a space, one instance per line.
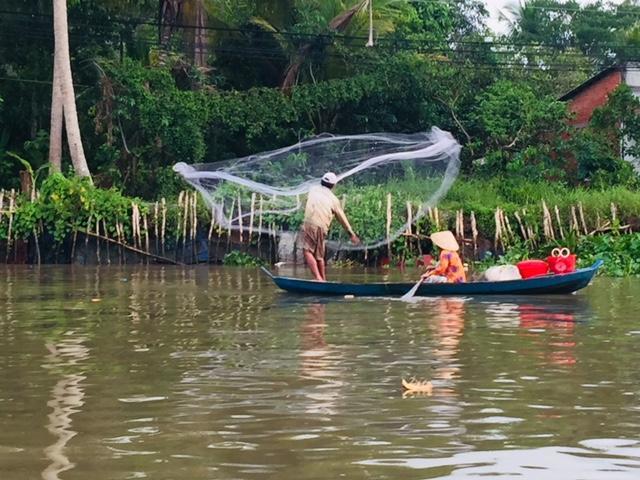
x=266 y=192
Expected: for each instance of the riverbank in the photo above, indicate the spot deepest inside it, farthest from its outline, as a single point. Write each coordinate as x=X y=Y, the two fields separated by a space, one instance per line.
x=497 y=221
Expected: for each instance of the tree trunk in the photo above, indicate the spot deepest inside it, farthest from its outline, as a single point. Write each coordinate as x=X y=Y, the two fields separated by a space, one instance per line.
x=199 y=35
x=63 y=62
x=55 y=134
x=338 y=24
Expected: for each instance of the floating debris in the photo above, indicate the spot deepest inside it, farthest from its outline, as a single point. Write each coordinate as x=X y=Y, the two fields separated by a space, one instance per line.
x=417 y=386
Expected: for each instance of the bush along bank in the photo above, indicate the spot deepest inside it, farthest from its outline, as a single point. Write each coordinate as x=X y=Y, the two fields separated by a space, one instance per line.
x=70 y=221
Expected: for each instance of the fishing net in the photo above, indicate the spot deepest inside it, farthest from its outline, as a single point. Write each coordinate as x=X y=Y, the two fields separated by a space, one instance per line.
x=265 y=193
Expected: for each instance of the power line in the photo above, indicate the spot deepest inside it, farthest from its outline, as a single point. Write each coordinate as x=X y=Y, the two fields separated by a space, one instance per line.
x=318 y=36
x=43 y=82
x=390 y=45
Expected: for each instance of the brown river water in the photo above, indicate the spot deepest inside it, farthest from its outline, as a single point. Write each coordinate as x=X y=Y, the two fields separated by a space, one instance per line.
x=212 y=373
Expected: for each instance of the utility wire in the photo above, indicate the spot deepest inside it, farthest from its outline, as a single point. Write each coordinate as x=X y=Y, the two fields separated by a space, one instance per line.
x=319 y=36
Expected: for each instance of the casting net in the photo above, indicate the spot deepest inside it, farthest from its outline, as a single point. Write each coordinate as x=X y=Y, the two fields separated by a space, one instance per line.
x=265 y=193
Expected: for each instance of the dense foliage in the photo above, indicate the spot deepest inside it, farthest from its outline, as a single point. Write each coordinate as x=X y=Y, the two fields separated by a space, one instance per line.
x=257 y=75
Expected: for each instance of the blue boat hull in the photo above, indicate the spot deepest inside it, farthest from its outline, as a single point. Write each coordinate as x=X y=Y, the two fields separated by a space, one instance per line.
x=543 y=285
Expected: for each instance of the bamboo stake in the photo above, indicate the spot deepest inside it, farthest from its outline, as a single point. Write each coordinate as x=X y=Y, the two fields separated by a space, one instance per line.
x=498 y=234
x=195 y=215
x=146 y=232
x=240 y=219
x=437 y=217
x=119 y=236
x=212 y=224
x=210 y=234
x=504 y=231
x=194 y=224
x=133 y=225
x=508 y=225
x=260 y=207
x=561 y=230
x=407 y=231
x=179 y=224
x=252 y=213
x=523 y=231
x=138 y=226
x=155 y=223
x=474 y=233
x=614 y=212
x=272 y=239
x=106 y=234
x=547 y=222
x=164 y=223
x=574 y=220
x=389 y=225
x=35 y=238
x=233 y=203
x=185 y=219
x=9 y=231
x=584 y=224
x=98 y=241
x=86 y=239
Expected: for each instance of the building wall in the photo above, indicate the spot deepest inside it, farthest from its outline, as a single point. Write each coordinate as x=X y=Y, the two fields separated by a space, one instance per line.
x=595 y=95
x=632 y=79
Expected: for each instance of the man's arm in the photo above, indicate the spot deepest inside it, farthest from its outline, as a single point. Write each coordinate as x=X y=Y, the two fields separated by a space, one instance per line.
x=342 y=218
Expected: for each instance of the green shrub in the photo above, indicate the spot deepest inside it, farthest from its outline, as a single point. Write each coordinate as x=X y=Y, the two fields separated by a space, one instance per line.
x=237 y=258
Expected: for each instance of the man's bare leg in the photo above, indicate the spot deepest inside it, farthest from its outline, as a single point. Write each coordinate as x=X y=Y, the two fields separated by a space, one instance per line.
x=313 y=265
x=321 y=269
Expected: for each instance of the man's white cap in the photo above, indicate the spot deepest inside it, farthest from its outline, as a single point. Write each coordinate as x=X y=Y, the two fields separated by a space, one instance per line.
x=330 y=177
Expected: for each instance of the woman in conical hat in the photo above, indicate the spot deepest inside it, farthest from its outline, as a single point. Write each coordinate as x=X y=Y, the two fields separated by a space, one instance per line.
x=449 y=267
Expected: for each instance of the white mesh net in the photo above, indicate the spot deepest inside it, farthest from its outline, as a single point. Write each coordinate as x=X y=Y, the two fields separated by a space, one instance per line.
x=265 y=193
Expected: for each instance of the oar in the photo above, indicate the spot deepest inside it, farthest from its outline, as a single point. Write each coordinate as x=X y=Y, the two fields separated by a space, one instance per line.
x=413 y=290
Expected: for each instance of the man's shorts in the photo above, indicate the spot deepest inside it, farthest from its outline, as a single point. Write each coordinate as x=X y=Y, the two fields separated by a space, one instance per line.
x=313 y=240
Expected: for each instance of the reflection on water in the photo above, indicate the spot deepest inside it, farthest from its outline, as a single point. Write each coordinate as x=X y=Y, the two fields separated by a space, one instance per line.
x=620 y=460
x=449 y=327
x=319 y=362
x=66 y=399
x=199 y=373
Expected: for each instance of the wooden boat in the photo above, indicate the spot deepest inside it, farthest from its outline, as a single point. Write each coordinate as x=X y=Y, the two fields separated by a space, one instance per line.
x=541 y=285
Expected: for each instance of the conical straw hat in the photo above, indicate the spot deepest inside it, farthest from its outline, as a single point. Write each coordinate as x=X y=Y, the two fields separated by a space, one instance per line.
x=445 y=240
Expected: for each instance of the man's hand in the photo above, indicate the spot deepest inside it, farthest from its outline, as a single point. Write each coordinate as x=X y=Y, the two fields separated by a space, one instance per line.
x=425 y=275
x=354 y=239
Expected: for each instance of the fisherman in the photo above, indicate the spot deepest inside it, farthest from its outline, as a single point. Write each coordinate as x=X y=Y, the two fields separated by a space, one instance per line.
x=320 y=209
x=449 y=268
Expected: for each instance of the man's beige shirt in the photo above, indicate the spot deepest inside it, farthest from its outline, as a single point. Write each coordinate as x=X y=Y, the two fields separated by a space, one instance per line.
x=321 y=206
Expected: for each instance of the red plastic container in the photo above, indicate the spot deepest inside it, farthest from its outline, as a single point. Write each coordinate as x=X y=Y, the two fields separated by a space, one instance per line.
x=532 y=268
x=562 y=264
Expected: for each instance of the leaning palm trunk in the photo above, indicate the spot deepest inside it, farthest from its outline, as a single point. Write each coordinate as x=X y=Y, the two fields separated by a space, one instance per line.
x=338 y=24
x=62 y=66
x=55 y=136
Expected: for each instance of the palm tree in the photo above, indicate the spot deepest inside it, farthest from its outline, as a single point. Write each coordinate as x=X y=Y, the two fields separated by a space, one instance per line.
x=274 y=18
x=63 y=102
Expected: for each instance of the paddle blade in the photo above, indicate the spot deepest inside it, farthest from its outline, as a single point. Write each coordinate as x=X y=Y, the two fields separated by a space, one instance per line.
x=412 y=292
